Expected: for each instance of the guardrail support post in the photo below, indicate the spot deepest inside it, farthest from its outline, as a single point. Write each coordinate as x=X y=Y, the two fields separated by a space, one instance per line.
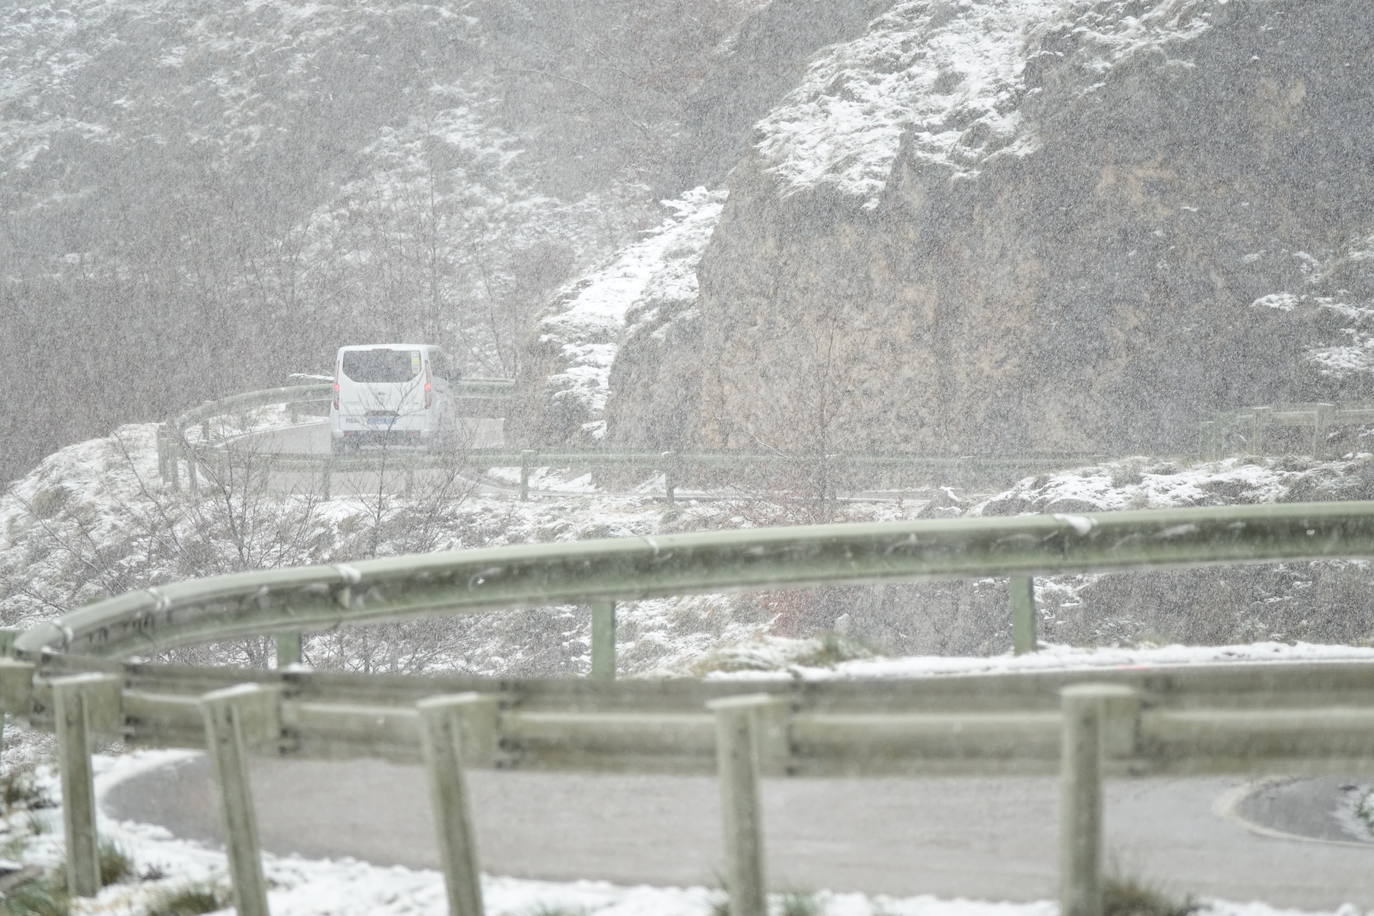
x=192 y=472
x=1023 y=614
x=737 y=762
x=526 y=461
x=234 y=717
x=670 y=475
x=603 y=640
x=1209 y=439
x=449 y=725
x=1080 y=813
x=326 y=477
x=82 y=704
x=1322 y=421
x=174 y=466
x=160 y=438
x=1259 y=419
x=16 y=685
x=288 y=649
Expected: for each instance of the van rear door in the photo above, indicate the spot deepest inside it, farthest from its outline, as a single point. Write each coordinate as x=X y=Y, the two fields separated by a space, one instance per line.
x=381 y=385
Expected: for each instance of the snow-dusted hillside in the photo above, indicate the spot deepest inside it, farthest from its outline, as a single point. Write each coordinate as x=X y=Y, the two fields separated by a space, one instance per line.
x=93 y=518
x=989 y=226
x=93 y=521
x=201 y=198
x=573 y=348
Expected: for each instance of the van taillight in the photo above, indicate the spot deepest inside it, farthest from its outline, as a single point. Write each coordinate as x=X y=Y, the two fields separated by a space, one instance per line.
x=336 y=394
x=429 y=389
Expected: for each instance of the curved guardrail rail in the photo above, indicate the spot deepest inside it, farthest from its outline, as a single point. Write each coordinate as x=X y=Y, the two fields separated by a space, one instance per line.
x=1254 y=427
x=1251 y=427
x=319 y=597
x=484 y=397
x=66 y=675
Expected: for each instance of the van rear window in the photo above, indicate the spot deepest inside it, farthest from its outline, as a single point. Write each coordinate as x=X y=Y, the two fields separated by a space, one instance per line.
x=381 y=365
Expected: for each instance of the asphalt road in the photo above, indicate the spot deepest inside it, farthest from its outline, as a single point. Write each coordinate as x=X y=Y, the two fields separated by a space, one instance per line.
x=983 y=838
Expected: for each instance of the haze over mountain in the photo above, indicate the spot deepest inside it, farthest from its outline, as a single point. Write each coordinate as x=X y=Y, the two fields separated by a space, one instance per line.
x=933 y=225
x=201 y=198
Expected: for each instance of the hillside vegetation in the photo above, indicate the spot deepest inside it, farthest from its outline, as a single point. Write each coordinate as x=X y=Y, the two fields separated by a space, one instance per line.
x=199 y=199
x=774 y=225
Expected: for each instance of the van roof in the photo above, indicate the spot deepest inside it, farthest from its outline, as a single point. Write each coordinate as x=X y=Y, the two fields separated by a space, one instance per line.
x=390 y=346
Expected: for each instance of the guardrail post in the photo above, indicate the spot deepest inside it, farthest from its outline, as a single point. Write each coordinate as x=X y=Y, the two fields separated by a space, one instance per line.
x=451 y=724
x=669 y=475
x=737 y=762
x=82 y=704
x=326 y=476
x=526 y=461
x=1085 y=707
x=1322 y=420
x=1209 y=439
x=16 y=688
x=174 y=465
x=288 y=649
x=410 y=483
x=193 y=472
x=205 y=431
x=234 y=717
x=160 y=438
x=603 y=640
x=1023 y=614
x=1259 y=419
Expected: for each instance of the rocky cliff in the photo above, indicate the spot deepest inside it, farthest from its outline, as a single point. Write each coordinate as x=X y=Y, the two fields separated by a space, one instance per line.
x=991 y=226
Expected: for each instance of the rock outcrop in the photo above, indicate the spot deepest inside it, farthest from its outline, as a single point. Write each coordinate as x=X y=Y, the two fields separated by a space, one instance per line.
x=987 y=227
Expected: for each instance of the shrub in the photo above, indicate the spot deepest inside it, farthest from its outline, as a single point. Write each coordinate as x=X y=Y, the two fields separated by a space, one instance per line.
x=152 y=872
x=187 y=900
x=794 y=903
x=18 y=791
x=798 y=903
x=48 y=502
x=1130 y=897
x=115 y=863
x=44 y=897
x=831 y=649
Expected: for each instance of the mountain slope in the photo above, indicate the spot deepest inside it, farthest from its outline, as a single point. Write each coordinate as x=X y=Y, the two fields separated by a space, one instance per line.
x=988 y=226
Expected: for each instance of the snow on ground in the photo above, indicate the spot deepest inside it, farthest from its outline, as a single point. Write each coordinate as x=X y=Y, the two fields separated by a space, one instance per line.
x=346 y=887
x=96 y=481
x=942 y=80
x=1049 y=658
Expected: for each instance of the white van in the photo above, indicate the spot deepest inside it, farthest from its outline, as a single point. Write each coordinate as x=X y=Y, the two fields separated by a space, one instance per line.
x=392 y=394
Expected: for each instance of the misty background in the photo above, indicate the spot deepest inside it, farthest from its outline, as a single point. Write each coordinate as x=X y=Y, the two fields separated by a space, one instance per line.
x=937 y=226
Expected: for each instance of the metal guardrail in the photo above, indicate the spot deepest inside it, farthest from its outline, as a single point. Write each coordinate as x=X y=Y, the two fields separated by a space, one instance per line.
x=66 y=676
x=1254 y=427
x=483 y=397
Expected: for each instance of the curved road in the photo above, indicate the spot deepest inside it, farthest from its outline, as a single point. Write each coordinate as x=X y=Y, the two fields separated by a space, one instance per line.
x=983 y=838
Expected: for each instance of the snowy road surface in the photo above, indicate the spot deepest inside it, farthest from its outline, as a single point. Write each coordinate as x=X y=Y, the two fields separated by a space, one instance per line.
x=982 y=838
x=313 y=439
